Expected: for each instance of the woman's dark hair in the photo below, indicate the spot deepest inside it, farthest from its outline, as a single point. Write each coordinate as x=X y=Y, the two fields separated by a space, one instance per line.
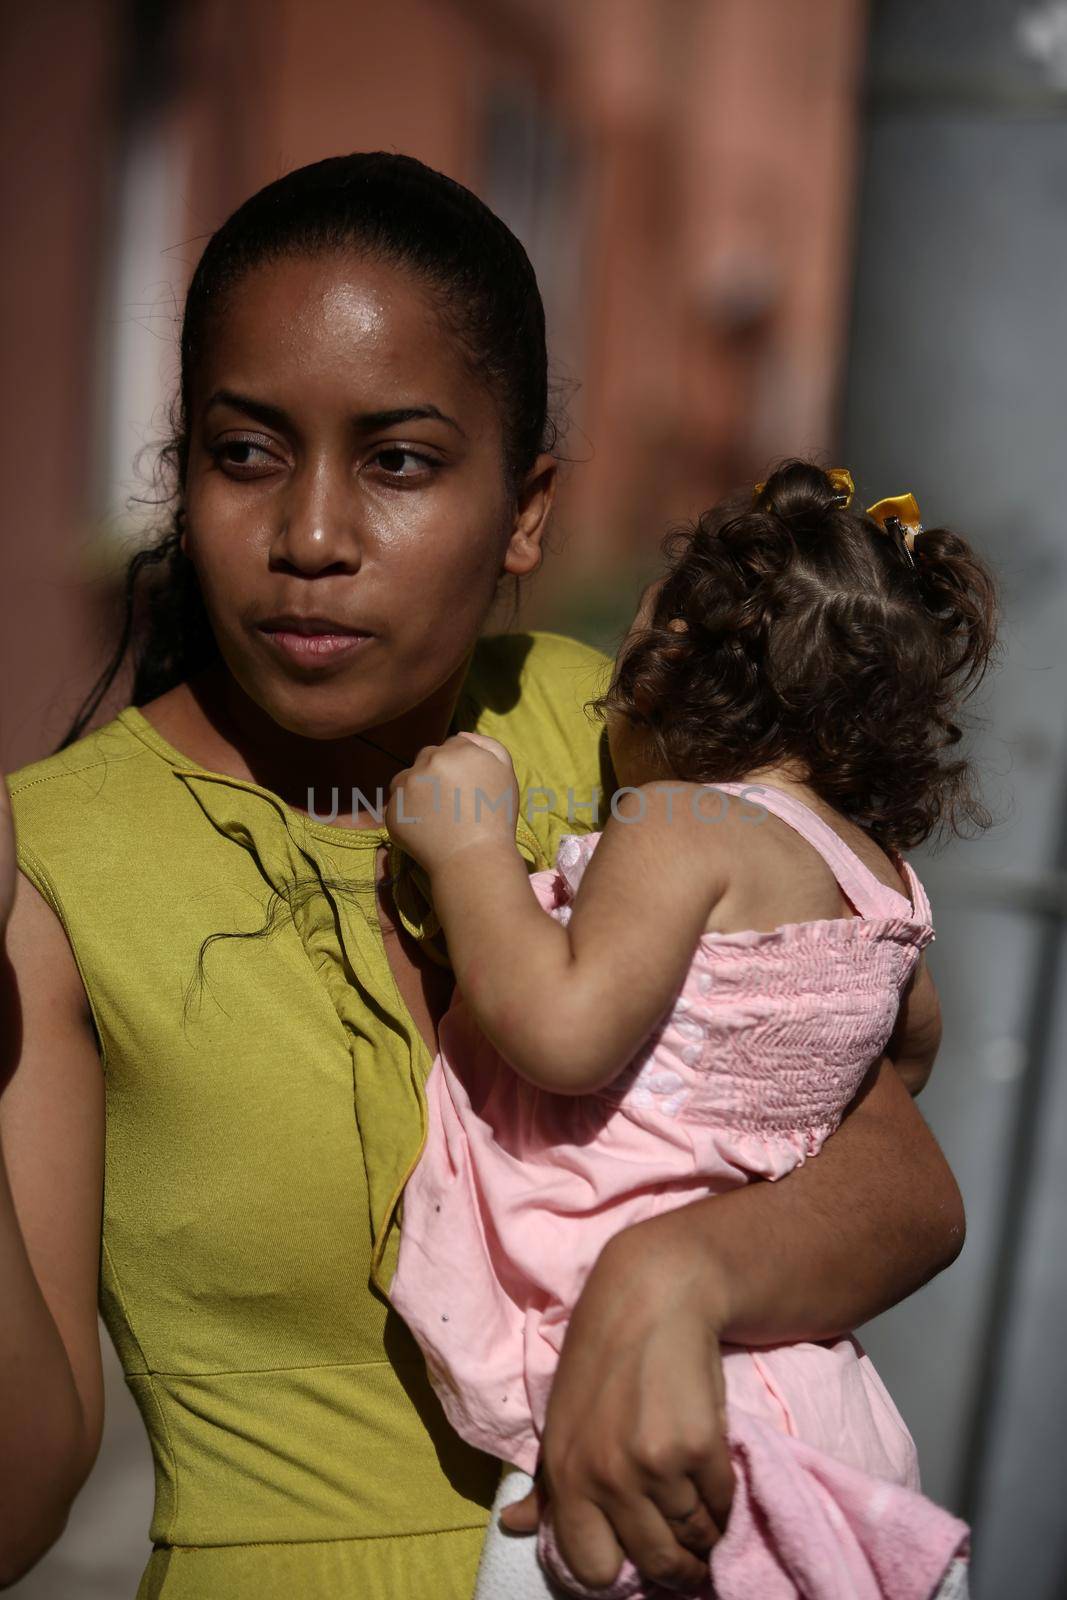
x=374 y=204
x=810 y=636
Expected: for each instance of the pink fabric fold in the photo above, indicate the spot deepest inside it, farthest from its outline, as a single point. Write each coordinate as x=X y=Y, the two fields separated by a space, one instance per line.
x=803 y=1526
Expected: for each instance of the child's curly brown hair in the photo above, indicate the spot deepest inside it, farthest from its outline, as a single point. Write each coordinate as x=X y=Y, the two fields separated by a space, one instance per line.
x=811 y=637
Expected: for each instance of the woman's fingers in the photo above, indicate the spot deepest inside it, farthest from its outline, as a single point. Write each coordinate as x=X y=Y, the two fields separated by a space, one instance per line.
x=593 y=1539
x=714 y=1480
x=522 y=1516
x=694 y=1527
x=594 y=1534
x=585 y=1540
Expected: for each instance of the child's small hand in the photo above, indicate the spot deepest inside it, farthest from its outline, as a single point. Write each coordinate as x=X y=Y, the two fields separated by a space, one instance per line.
x=455 y=795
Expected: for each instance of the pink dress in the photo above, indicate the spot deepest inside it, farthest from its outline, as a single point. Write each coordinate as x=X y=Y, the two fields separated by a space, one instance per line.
x=517 y=1190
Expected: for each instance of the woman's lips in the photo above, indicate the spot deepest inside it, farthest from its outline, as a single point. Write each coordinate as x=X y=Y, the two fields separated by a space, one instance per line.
x=315 y=649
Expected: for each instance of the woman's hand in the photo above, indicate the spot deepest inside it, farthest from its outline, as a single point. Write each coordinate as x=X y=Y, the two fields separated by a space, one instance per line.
x=454 y=795
x=7 y=856
x=634 y=1433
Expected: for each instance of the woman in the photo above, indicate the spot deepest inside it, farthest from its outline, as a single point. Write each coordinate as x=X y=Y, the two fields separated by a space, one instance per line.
x=362 y=455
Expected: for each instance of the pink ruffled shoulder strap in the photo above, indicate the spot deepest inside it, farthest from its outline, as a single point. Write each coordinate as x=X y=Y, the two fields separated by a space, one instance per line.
x=871 y=898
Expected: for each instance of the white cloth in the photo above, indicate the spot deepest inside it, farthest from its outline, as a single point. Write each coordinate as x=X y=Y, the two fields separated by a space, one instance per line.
x=509 y=1568
x=954 y=1585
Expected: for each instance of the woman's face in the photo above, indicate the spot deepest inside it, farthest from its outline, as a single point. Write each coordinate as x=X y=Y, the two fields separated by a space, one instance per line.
x=347 y=510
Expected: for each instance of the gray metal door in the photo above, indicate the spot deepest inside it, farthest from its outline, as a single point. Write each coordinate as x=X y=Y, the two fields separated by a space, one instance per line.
x=956 y=389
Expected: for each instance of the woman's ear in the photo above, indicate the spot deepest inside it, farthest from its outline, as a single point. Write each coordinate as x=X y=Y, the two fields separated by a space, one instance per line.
x=533 y=509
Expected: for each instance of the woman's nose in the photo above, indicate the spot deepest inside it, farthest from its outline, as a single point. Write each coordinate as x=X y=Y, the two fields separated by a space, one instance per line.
x=317 y=532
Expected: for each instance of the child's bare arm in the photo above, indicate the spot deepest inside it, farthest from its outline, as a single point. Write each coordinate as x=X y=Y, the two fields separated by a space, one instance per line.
x=917 y=1035
x=569 y=1006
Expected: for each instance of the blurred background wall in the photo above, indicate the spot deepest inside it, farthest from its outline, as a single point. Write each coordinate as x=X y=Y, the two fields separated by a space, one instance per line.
x=760 y=226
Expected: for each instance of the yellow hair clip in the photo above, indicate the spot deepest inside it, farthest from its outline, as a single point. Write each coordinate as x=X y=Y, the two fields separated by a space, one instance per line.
x=841 y=481
x=899 y=516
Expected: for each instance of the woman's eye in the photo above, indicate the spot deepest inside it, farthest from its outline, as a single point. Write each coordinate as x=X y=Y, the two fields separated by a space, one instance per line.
x=393 y=458
x=241 y=457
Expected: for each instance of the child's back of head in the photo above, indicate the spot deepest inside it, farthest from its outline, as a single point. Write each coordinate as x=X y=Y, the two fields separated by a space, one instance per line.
x=818 y=637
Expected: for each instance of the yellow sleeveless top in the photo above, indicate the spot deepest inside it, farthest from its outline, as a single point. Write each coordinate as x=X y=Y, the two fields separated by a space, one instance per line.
x=260 y=1127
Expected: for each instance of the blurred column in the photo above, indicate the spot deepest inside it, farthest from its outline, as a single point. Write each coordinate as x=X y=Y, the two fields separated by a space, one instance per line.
x=769 y=182
x=57 y=72
x=722 y=138
x=620 y=95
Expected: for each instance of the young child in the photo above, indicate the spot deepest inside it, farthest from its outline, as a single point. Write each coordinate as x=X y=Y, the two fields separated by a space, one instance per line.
x=727 y=958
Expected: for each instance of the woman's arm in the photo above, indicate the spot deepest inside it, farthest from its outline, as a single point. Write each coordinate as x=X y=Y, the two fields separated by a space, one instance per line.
x=842 y=1238
x=636 y=1411
x=51 y=1179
